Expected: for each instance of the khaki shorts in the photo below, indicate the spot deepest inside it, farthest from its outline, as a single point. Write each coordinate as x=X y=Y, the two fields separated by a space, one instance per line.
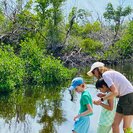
x=125 y=104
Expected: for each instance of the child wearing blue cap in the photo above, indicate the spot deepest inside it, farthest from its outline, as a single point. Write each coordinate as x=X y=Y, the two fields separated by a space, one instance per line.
x=82 y=124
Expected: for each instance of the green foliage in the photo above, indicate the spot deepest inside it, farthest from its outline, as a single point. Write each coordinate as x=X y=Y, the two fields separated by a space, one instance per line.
x=115 y=15
x=109 y=14
x=72 y=13
x=1 y=17
x=29 y=4
x=47 y=32
x=91 y=46
x=80 y=16
x=43 y=12
x=31 y=55
x=89 y=28
x=77 y=30
x=125 y=46
x=41 y=69
x=111 y=54
x=28 y=22
x=53 y=70
x=27 y=19
x=53 y=34
x=50 y=17
x=11 y=69
x=79 y=38
x=5 y=23
x=49 y=10
x=84 y=30
x=75 y=41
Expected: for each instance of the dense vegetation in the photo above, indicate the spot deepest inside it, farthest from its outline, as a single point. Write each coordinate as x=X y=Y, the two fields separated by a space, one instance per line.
x=37 y=44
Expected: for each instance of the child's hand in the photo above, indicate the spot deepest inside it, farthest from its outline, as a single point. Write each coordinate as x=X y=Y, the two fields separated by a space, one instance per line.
x=94 y=102
x=77 y=116
x=101 y=95
x=97 y=102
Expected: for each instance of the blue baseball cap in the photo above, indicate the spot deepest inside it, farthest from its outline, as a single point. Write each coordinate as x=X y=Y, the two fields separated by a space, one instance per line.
x=76 y=82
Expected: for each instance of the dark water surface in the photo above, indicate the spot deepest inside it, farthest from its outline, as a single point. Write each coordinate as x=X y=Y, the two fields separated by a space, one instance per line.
x=47 y=109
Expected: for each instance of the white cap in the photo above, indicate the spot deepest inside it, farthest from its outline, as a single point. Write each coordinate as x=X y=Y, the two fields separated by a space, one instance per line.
x=95 y=65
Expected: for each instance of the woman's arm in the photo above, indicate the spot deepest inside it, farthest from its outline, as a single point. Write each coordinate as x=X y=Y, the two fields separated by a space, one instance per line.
x=88 y=111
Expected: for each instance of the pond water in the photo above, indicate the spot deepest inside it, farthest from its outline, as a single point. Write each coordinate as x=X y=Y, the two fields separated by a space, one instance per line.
x=47 y=109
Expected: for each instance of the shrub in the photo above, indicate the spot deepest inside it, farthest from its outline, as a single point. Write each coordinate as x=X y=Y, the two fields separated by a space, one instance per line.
x=91 y=46
x=54 y=71
x=11 y=69
x=125 y=46
x=40 y=68
x=32 y=56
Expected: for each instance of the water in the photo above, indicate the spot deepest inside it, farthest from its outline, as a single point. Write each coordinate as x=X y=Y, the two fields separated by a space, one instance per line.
x=47 y=109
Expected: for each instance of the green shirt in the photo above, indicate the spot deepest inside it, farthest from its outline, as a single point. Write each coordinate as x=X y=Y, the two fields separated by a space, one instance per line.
x=85 y=99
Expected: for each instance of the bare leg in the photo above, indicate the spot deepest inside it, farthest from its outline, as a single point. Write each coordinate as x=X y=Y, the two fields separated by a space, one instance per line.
x=127 y=121
x=74 y=132
x=117 y=120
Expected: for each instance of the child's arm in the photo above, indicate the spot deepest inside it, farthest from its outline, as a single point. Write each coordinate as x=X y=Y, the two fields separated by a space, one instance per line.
x=109 y=106
x=89 y=111
x=112 y=94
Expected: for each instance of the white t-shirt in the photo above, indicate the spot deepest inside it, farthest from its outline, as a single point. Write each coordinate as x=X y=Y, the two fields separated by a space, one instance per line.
x=120 y=81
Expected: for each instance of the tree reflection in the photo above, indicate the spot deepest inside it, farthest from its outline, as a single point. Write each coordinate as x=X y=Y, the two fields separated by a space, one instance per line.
x=52 y=113
x=22 y=105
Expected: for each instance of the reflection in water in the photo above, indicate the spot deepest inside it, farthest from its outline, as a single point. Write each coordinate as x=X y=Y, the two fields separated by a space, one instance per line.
x=46 y=109
x=26 y=109
x=17 y=111
x=52 y=112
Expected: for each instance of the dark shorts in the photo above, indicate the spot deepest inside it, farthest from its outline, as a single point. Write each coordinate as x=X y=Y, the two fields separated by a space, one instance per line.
x=125 y=104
